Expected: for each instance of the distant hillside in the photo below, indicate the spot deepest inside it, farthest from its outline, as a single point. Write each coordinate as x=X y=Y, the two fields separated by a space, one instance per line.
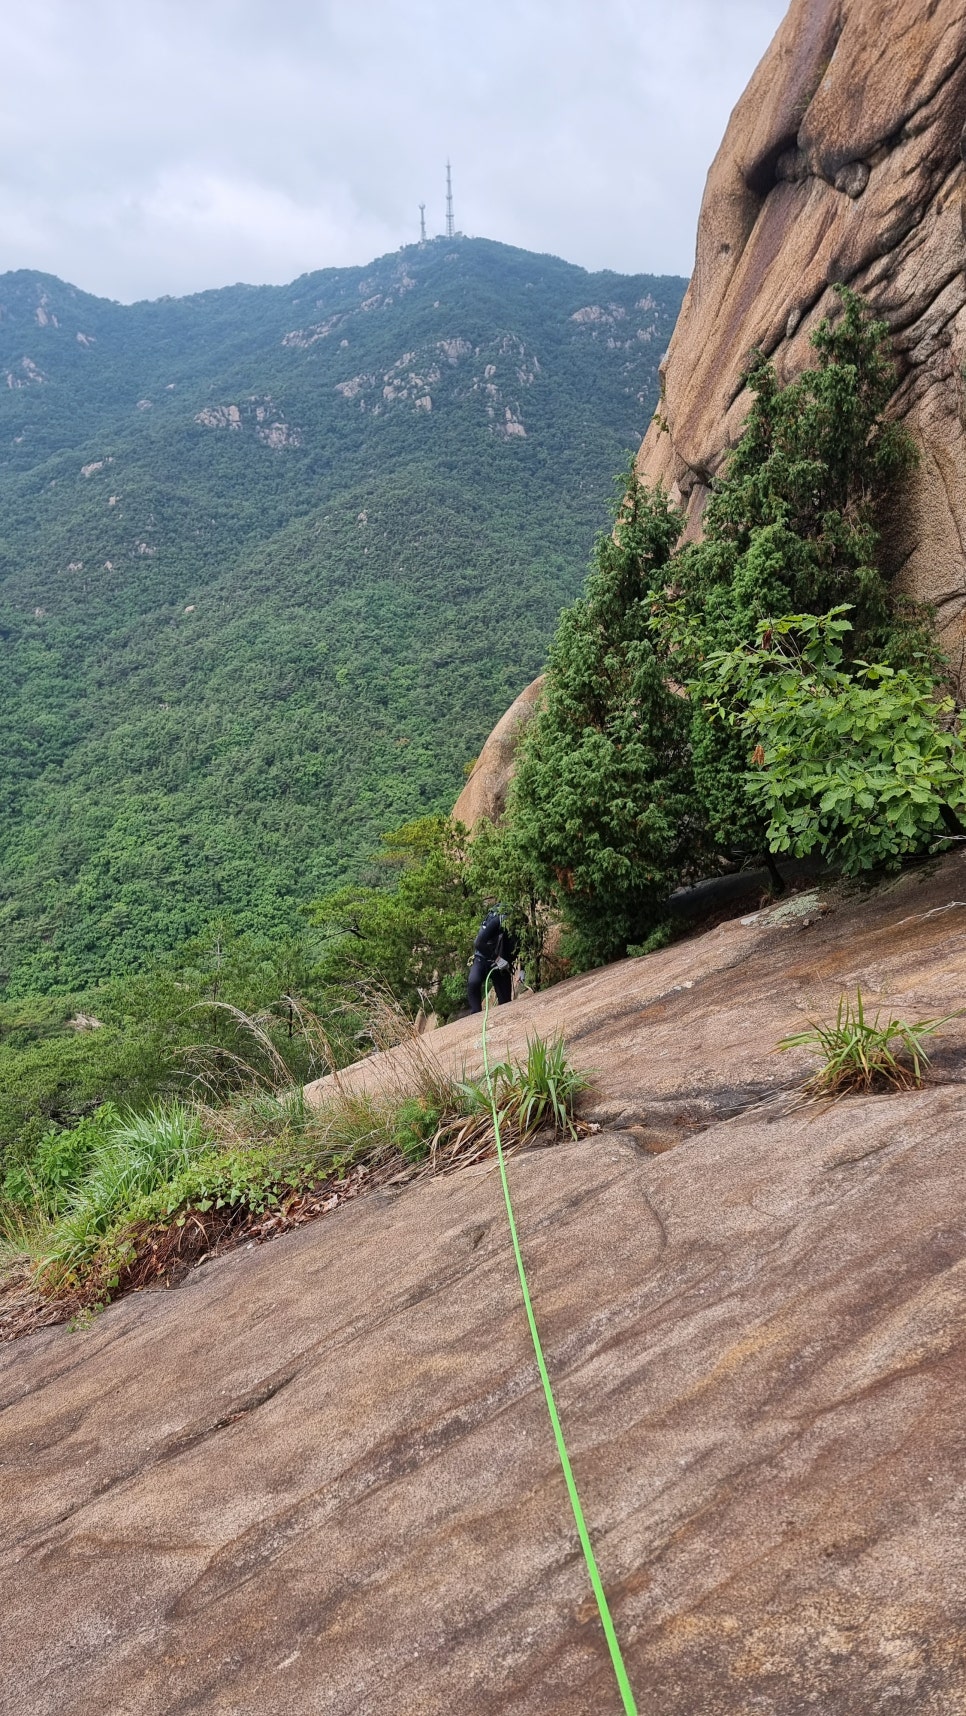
x=272 y=562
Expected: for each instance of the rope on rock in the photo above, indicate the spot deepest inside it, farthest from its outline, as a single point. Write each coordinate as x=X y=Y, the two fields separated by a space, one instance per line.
x=615 y=1650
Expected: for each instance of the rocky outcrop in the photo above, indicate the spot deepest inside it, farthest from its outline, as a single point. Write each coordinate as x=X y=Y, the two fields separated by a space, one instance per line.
x=319 y=1476
x=842 y=162
x=485 y=792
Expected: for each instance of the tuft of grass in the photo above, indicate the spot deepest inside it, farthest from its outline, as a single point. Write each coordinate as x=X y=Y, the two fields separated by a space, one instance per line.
x=138 y=1156
x=866 y=1054
x=542 y=1091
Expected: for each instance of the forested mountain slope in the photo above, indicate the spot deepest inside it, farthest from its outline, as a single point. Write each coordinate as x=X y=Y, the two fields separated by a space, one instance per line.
x=273 y=559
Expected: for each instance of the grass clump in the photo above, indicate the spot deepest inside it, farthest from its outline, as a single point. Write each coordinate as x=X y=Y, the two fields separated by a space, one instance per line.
x=138 y=1156
x=136 y=1200
x=863 y=1054
x=538 y=1092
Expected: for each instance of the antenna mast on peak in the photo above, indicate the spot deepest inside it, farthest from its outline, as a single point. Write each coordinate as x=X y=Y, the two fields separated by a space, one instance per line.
x=450 y=227
x=422 y=223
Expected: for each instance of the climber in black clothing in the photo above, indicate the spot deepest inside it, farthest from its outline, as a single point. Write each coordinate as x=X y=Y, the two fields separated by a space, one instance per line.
x=494 y=952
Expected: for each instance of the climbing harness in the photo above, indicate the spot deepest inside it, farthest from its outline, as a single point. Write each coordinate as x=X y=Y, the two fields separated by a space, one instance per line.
x=615 y=1650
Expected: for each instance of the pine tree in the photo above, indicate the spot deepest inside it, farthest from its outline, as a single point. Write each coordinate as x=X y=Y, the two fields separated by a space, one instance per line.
x=603 y=805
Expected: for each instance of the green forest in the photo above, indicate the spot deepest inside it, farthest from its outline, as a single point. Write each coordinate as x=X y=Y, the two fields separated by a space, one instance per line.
x=272 y=562
x=762 y=692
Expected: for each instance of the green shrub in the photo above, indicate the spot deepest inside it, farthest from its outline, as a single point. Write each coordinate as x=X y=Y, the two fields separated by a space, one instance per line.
x=672 y=671
x=60 y=1162
x=792 y=526
x=417 y=1121
x=252 y=1178
x=411 y=936
x=51 y=1075
x=856 y=763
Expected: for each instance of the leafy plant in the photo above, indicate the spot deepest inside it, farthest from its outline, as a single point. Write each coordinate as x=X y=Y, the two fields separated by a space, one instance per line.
x=858 y=1052
x=411 y=935
x=636 y=772
x=859 y=763
x=60 y=1162
x=417 y=1122
x=792 y=526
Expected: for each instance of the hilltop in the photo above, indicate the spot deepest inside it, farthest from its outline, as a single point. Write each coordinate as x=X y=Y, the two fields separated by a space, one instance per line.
x=273 y=560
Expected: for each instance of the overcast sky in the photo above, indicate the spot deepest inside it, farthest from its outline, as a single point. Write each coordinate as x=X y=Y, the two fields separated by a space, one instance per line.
x=155 y=146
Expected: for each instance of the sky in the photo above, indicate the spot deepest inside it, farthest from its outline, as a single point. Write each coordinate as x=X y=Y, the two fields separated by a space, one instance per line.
x=168 y=146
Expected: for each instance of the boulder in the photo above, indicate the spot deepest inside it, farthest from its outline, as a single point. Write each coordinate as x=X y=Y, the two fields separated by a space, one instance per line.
x=485 y=792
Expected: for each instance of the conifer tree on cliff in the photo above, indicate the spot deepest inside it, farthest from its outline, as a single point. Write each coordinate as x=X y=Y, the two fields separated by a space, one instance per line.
x=603 y=808
x=635 y=774
x=793 y=527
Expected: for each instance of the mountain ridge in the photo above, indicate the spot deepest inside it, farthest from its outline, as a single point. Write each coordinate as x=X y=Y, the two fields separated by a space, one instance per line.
x=272 y=560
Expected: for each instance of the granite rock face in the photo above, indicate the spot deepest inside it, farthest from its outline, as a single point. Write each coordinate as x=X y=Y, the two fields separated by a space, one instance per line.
x=319 y=1476
x=485 y=792
x=842 y=162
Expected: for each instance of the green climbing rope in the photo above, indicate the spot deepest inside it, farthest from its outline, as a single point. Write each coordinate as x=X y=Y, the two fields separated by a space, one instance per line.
x=582 y=1532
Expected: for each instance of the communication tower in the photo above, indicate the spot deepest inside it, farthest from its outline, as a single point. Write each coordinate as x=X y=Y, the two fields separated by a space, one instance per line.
x=450 y=226
x=422 y=223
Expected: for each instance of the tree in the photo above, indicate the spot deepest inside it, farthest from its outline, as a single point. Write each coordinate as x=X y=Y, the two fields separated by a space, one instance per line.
x=792 y=526
x=603 y=807
x=411 y=938
x=673 y=726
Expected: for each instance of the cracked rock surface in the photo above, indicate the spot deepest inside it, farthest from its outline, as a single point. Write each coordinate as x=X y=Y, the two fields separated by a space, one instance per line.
x=841 y=162
x=319 y=1477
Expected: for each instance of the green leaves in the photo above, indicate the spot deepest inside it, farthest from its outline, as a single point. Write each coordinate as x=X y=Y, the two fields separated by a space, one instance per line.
x=857 y=1053
x=602 y=804
x=759 y=689
x=413 y=935
x=791 y=530
x=864 y=765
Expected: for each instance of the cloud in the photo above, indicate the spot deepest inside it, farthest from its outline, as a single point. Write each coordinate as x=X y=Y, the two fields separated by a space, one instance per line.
x=173 y=145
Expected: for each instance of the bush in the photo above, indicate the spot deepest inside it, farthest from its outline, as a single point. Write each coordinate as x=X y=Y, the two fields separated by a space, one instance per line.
x=60 y=1162
x=857 y=764
x=51 y=1075
x=792 y=526
x=137 y=1156
x=416 y=1123
x=410 y=936
x=682 y=719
